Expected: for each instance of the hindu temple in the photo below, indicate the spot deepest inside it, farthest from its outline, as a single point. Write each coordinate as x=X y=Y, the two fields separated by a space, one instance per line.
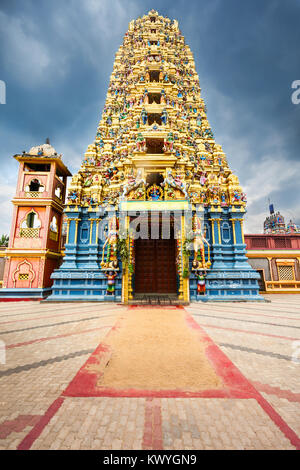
x=154 y=208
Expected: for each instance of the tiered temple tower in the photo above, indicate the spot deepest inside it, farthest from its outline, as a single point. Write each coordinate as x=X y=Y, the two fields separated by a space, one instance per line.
x=34 y=249
x=154 y=154
x=275 y=223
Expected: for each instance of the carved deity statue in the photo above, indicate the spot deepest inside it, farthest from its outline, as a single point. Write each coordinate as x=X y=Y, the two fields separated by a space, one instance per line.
x=199 y=242
x=109 y=251
x=176 y=182
x=134 y=183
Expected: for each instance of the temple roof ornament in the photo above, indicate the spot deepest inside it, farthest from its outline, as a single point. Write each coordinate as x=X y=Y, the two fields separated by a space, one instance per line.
x=45 y=150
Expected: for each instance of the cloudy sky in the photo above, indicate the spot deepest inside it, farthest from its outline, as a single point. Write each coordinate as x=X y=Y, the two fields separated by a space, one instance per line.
x=56 y=58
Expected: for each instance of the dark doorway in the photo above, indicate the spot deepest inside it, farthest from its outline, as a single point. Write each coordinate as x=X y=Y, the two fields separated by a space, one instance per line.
x=154 y=98
x=154 y=118
x=155 y=146
x=154 y=178
x=155 y=265
x=154 y=75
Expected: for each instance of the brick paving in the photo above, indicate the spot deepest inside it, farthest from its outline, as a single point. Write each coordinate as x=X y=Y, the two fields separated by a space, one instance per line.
x=47 y=344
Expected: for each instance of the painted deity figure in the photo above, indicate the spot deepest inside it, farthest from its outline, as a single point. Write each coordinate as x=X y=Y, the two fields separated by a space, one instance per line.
x=175 y=182
x=243 y=197
x=73 y=197
x=223 y=199
x=236 y=196
x=168 y=142
x=140 y=143
x=164 y=116
x=110 y=246
x=144 y=116
x=154 y=193
x=203 y=178
x=199 y=242
x=133 y=183
x=200 y=275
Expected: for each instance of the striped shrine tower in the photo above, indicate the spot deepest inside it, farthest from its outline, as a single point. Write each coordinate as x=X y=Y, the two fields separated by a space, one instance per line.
x=34 y=249
x=154 y=209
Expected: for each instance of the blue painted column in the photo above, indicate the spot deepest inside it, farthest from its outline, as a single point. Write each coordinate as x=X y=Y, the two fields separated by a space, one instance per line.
x=71 y=242
x=240 y=258
x=216 y=246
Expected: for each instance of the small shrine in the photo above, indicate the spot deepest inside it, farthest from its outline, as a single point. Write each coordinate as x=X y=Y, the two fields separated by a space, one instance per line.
x=34 y=249
x=154 y=207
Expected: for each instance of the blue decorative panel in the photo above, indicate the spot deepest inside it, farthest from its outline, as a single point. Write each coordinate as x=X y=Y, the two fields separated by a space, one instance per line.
x=226 y=233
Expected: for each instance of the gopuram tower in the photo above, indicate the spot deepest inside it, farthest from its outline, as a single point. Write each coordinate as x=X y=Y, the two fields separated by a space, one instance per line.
x=155 y=208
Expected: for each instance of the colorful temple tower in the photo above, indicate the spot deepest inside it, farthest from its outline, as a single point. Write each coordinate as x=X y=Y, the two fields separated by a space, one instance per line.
x=34 y=249
x=275 y=223
x=155 y=208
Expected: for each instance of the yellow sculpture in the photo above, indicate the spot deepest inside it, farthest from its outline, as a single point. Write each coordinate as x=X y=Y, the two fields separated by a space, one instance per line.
x=199 y=242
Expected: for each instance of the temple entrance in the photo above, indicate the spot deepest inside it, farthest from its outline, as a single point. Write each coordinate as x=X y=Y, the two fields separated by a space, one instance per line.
x=155 y=263
x=155 y=267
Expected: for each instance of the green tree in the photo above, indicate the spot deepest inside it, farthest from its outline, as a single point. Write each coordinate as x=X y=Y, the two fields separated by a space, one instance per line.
x=4 y=240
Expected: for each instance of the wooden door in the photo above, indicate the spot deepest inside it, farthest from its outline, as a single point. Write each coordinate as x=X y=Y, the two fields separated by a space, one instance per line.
x=155 y=266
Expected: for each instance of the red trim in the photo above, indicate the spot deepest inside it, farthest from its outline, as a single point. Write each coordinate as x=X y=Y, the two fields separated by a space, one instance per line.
x=288 y=394
x=226 y=373
x=84 y=382
x=37 y=430
x=21 y=300
x=152 y=438
x=276 y=418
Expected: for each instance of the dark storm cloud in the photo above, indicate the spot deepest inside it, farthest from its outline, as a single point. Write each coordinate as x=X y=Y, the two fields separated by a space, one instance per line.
x=56 y=59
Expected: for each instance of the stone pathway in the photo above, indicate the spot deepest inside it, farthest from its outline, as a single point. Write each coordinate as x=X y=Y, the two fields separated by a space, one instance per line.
x=255 y=349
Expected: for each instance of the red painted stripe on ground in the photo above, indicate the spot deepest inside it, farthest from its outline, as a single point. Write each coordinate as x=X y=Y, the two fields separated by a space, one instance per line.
x=84 y=383
x=33 y=435
x=39 y=340
x=219 y=362
x=152 y=437
x=87 y=388
x=249 y=332
x=287 y=394
x=277 y=419
x=21 y=300
x=232 y=378
x=17 y=424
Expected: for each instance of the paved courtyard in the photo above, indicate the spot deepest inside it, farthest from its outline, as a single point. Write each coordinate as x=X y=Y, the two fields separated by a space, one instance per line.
x=253 y=348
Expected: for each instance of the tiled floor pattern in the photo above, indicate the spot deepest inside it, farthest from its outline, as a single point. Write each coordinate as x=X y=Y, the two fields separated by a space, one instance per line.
x=46 y=345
